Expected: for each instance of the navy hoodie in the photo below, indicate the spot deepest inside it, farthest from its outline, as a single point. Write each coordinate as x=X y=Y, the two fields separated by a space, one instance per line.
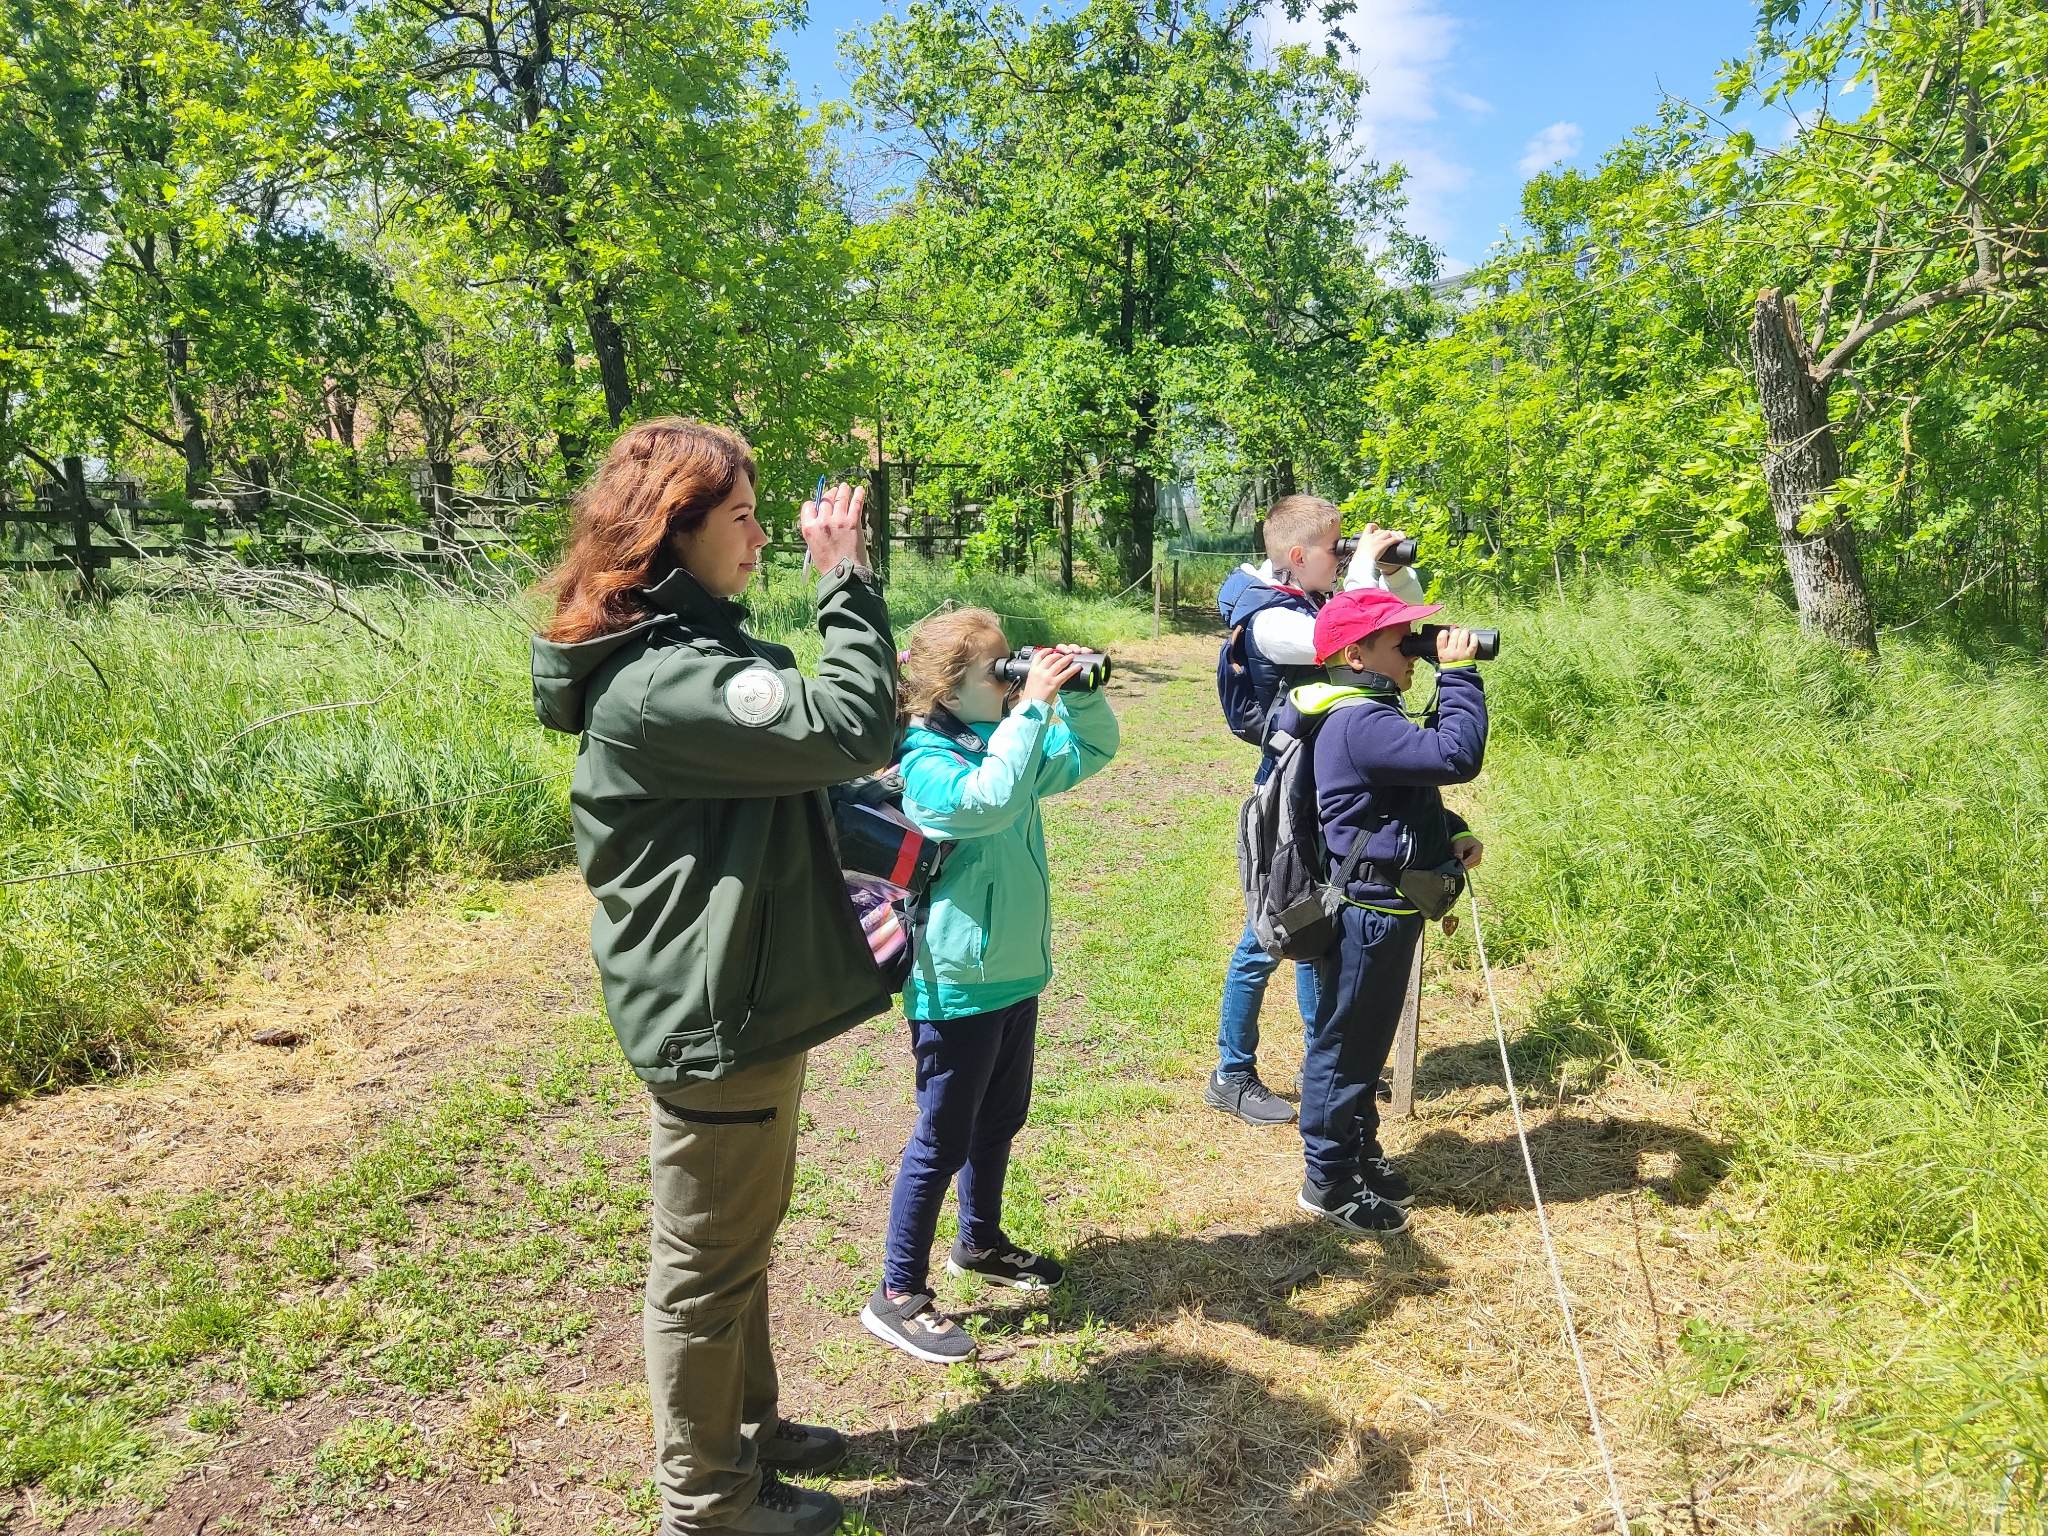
x=1378 y=774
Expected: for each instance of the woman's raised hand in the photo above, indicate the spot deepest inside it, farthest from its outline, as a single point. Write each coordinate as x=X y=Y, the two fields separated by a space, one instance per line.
x=833 y=528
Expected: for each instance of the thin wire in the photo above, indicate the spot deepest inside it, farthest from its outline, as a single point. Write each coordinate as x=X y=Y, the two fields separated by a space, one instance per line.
x=1564 y=1300
x=276 y=837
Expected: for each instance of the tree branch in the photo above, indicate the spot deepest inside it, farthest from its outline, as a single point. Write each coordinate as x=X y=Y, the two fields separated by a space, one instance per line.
x=1974 y=286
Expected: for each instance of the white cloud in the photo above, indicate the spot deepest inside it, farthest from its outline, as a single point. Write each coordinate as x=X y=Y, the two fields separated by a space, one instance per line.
x=1403 y=49
x=1560 y=141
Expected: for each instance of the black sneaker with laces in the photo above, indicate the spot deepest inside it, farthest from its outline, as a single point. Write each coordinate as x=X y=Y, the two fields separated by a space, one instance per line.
x=1351 y=1206
x=1387 y=1181
x=1243 y=1095
x=917 y=1328
x=807 y=1448
x=1007 y=1264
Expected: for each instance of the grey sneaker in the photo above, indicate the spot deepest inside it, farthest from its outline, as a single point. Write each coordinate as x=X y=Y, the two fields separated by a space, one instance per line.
x=1351 y=1206
x=1243 y=1095
x=783 y=1509
x=807 y=1448
x=917 y=1328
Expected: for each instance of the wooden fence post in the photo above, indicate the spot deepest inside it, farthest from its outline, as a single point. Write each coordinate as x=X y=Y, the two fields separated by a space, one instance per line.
x=878 y=507
x=1405 y=1033
x=1155 y=599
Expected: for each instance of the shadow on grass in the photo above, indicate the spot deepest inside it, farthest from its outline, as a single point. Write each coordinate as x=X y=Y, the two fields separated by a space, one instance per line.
x=1249 y=1279
x=1577 y=1158
x=1144 y=1439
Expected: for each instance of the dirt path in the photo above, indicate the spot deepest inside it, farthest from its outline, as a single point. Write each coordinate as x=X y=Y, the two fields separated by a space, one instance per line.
x=1215 y=1365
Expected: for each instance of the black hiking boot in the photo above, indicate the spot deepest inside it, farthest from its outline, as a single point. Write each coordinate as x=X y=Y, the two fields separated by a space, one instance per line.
x=806 y=1448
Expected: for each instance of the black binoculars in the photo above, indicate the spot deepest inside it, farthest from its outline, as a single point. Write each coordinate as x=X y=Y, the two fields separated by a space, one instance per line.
x=1401 y=552
x=1013 y=669
x=1423 y=642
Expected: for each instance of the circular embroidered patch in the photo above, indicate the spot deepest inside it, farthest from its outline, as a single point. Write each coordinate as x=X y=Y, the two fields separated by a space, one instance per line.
x=756 y=696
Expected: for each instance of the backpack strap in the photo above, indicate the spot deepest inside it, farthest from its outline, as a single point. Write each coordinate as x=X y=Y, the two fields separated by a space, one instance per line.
x=1341 y=880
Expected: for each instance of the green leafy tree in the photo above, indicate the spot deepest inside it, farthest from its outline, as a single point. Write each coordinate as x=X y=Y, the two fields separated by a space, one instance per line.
x=1127 y=238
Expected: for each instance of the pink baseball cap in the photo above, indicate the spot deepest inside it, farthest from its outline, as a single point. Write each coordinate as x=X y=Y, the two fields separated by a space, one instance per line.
x=1355 y=614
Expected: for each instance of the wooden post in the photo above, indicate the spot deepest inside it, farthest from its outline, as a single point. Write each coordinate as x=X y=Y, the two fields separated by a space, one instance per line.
x=1403 y=1064
x=1176 y=589
x=878 y=515
x=1155 y=599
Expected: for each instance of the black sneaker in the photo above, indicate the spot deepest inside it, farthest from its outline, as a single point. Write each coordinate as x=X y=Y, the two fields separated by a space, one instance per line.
x=917 y=1328
x=808 y=1448
x=1006 y=1264
x=1387 y=1181
x=1243 y=1095
x=1351 y=1206
x=783 y=1509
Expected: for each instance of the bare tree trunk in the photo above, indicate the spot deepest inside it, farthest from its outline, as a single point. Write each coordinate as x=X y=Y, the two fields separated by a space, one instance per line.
x=186 y=416
x=1067 y=538
x=1802 y=465
x=608 y=342
x=1142 y=519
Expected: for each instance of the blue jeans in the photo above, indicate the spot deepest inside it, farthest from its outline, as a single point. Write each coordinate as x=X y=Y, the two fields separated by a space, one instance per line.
x=973 y=1092
x=1244 y=989
x=1364 y=981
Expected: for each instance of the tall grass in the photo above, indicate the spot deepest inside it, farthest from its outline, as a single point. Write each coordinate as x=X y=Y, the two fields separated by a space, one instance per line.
x=140 y=727
x=1823 y=886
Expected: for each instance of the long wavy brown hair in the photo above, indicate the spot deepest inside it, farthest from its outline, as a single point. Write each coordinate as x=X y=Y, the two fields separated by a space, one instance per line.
x=660 y=478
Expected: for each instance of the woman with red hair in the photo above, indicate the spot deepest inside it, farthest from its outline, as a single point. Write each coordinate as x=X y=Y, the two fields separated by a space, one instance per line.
x=724 y=934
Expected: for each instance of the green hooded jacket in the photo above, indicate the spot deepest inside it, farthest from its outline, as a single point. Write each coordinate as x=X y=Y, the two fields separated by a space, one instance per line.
x=724 y=935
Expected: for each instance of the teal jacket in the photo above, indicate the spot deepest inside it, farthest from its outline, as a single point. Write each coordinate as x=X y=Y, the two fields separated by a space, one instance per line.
x=987 y=940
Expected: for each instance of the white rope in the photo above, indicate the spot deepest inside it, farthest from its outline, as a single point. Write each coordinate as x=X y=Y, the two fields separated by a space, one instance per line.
x=1564 y=1300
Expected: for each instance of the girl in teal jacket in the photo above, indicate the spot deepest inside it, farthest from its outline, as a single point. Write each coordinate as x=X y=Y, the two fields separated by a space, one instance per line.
x=974 y=769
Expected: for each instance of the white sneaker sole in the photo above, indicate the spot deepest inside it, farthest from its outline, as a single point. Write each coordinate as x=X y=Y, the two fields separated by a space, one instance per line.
x=888 y=1335
x=975 y=1274
x=1330 y=1218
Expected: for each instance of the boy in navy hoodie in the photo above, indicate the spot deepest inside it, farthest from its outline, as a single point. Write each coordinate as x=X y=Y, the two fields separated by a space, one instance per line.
x=1276 y=603
x=1378 y=774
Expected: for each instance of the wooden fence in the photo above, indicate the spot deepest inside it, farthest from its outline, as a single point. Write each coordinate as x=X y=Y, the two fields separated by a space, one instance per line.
x=84 y=526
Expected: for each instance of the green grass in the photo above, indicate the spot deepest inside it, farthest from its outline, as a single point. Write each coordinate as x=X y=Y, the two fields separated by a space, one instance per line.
x=148 y=726
x=1817 y=885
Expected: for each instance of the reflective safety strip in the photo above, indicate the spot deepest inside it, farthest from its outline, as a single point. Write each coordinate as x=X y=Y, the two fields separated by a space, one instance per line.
x=1367 y=906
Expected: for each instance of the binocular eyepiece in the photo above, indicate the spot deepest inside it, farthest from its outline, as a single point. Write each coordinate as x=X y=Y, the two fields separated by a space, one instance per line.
x=1401 y=552
x=1423 y=642
x=1014 y=668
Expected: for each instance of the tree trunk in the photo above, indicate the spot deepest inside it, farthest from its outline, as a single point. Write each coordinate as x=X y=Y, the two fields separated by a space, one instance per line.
x=1141 y=522
x=1283 y=479
x=569 y=444
x=1802 y=464
x=608 y=341
x=186 y=416
x=1067 y=538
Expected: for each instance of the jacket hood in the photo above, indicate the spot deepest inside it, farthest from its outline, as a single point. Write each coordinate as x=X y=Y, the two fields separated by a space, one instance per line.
x=1248 y=589
x=562 y=672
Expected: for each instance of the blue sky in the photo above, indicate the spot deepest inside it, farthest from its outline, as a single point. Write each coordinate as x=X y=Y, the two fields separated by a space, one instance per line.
x=1472 y=96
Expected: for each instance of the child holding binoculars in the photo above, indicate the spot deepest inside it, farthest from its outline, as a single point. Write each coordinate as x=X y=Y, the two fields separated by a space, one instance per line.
x=975 y=765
